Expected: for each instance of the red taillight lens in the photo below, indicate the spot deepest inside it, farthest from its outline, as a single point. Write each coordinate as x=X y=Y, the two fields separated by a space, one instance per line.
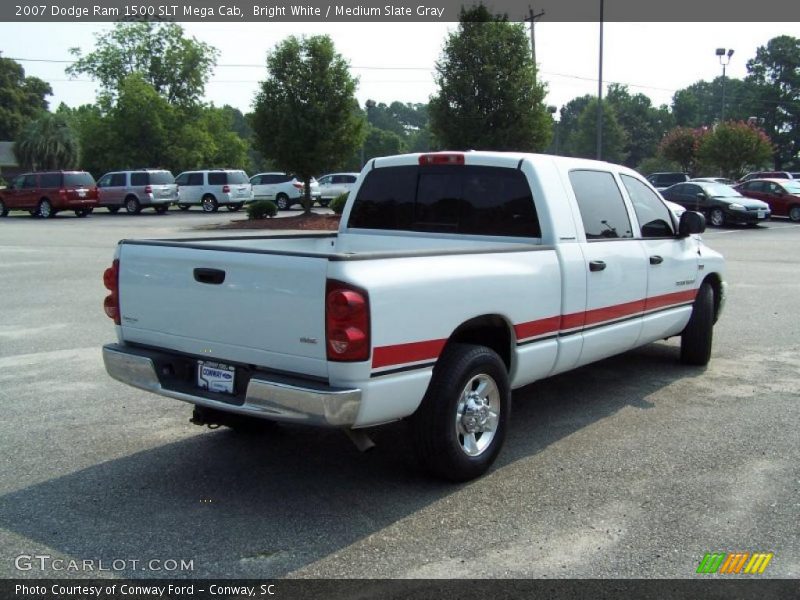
x=148 y=189
x=346 y=322
x=226 y=189
x=298 y=185
x=62 y=194
x=441 y=159
x=111 y=302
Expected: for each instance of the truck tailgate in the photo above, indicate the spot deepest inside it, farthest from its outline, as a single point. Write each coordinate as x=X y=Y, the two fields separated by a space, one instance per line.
x=253 y=308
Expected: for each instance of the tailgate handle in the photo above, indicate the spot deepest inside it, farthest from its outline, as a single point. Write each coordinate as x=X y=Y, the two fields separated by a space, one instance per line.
x=211 y=276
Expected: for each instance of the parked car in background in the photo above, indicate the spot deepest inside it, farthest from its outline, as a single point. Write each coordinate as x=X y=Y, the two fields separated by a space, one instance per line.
x=782 y=195
x=211 y=189
x=662 y=181
x=135 y=190
x=47 y=193
x=720 y=203
x=723 y=180
x=284 y=189
x=767 y=174
x=335 y=184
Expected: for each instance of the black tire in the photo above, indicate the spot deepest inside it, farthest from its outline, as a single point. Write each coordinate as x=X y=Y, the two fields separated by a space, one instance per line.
x=437 y=433
x=794 y=213
x=716 y=217
x=235 y=207
x=132 y=206
x=45 y=209
x=209 y=204
x=84 y=212
x=282 y=201
x=161 y=209
x=697 y=338
x=324 y=203
x=113 y=209
x=184 y=207
x=3 y=209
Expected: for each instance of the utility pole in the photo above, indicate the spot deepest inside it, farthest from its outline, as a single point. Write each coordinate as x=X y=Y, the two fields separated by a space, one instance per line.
x=600 y=91
x=531 y=18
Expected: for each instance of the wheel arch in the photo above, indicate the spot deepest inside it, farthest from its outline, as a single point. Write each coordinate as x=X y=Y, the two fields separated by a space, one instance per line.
x=715 y=281
x=492 y=330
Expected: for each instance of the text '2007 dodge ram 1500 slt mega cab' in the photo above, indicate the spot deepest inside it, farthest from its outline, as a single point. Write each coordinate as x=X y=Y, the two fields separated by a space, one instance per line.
x=453 y=279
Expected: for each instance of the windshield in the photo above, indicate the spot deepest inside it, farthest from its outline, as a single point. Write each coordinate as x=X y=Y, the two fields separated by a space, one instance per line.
x=719 y=190
x=78 y=179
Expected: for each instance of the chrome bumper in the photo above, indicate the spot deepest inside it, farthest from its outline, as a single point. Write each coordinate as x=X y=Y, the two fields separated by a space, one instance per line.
x=273 y=400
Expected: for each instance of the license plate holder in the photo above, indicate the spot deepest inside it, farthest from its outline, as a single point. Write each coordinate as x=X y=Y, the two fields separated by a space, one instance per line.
x=216 y=377
x=762 y=214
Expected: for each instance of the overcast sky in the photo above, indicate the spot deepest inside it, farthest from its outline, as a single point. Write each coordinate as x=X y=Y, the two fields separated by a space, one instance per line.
x=396 y=61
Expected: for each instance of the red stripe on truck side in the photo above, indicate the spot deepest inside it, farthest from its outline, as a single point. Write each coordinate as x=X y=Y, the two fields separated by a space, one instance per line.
x=667 y=299
x=536 y=328
x=407 y=353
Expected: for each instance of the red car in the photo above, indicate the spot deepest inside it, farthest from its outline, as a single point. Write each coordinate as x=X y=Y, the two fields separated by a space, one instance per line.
x=45 y=194
x=782 y=195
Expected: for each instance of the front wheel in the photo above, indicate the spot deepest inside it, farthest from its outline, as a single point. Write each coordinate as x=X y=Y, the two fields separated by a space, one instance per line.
x=45 y=209
x=794 y=214
x=132 y=206
x=697 y=338
x=717 y=217
x=209 y=204
x=460 y=426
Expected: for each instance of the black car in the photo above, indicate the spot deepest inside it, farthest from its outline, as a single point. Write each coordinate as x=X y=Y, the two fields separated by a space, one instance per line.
x=720 y=203
x=662 y=181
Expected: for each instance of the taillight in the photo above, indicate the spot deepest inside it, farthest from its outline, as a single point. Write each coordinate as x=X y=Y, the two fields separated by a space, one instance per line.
x=441 y=158
x=226 y=189
x=346 y=322
x=62 y=193
x=298 y=185
x=148 y=189
x=111 y=281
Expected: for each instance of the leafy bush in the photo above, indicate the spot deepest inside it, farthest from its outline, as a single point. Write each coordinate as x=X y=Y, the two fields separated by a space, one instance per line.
x=261 y=209
x=337 y=204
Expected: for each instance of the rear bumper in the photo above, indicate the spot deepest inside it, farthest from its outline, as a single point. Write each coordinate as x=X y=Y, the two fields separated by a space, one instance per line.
x=266 y=397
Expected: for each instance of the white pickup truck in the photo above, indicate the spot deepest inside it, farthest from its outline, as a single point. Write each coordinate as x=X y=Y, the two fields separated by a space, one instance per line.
x=453 y=279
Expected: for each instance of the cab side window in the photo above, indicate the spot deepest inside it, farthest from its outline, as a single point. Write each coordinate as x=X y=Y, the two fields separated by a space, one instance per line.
x=601 y=205
x=653 y=215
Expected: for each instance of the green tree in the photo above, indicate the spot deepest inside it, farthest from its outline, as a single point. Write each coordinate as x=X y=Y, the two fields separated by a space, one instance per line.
x=177 y=67
x=380 y=142
x=47 y=142
x=700 y=104
x=583 y=141
x=735 y=148
x=775 y=71
x=306 y=117
x=488 y=94
x=21 y=98
x=644 y=124
x=680 y=145
x=568 y=123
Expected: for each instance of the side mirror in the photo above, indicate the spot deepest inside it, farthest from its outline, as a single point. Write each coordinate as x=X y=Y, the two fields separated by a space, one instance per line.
x=691 y=222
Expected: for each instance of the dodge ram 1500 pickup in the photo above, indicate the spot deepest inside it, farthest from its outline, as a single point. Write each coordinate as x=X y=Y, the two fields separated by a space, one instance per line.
x=454 y=278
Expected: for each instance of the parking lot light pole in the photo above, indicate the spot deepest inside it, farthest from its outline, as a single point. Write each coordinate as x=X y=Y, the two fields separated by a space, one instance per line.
x=600 y=90
x=724 y=60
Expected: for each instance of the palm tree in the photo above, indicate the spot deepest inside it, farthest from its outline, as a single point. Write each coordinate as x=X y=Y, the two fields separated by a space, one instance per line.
x=47 y=142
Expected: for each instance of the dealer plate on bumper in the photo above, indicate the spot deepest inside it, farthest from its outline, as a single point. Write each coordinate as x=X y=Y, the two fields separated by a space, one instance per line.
x=215 y=377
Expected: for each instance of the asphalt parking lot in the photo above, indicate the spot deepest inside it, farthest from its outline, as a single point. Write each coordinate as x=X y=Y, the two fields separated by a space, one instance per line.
x=633 y=467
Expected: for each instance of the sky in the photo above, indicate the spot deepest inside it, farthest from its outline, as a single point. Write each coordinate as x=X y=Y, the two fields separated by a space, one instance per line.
x=396 y=61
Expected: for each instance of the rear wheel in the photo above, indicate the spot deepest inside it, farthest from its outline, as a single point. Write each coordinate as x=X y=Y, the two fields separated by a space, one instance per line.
x=113 y=209
x=82 y=212
x=459 y=428
x=717 y=217
x=3 y=209
x=794 y=213
x=209 y=203
x=45 y=209
x=282 y=200
x=234 y=207
x=132 y=205
x=697 y=338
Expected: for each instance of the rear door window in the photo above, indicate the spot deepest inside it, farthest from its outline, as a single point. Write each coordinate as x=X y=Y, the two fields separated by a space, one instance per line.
x=473 y=200
x=601 y=205
x=50 y=180
x=217 y=178
x=139 y=179
x=30 y=182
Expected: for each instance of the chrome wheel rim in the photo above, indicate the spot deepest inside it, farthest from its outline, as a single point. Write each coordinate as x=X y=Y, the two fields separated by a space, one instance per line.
x=794 y=214
x=477 y=415
x=282 y=203
x=716 y=218
x=208 y=204
x=45 y=209
x=130 y=206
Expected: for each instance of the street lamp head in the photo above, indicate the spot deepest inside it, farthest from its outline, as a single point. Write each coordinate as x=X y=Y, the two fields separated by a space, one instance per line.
x=552 y=109
x=730 y=52
x=720 y=52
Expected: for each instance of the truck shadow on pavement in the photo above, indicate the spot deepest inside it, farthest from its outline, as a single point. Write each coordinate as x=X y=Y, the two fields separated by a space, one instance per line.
x=267 y=506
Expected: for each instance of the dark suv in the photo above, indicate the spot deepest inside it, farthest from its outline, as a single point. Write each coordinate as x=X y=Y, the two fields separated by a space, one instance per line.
x=662 y=181
x=45 y=194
